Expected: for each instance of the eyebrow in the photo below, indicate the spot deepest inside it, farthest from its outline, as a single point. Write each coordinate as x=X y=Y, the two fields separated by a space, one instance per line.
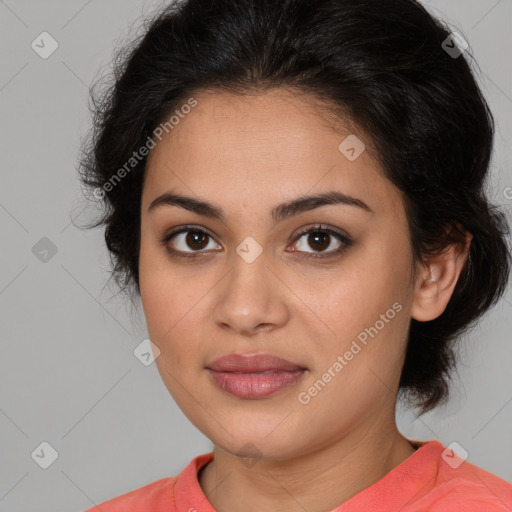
x=279 y=213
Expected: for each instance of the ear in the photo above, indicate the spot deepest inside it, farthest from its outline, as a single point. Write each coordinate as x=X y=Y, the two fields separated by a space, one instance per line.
x=436 y=281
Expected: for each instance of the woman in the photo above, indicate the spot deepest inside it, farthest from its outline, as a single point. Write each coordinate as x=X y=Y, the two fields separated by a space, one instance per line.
x=295 y=191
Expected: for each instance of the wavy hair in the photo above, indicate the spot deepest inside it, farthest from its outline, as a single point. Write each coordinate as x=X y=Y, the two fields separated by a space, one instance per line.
x=382 y=65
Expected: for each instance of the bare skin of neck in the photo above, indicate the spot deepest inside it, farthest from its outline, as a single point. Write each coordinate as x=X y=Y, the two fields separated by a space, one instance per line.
x=318 y=481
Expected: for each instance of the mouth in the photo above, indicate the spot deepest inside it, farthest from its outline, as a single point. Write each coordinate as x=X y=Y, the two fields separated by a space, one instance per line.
x=253 y=363
x=254 y=376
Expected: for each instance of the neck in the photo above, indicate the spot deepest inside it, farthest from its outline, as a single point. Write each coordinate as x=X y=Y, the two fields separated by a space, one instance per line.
x=316 y=481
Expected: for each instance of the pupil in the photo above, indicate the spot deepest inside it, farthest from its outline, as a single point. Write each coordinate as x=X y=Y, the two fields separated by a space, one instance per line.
x=193 y=236
x=316 y=236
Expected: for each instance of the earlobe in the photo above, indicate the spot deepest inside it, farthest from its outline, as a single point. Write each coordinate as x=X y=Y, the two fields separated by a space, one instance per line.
x=437 y=280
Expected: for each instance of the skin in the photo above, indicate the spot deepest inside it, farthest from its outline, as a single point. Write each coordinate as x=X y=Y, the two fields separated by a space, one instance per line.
x=246 y=154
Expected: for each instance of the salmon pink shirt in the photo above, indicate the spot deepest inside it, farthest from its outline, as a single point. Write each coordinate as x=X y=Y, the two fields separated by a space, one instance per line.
x=432 y=479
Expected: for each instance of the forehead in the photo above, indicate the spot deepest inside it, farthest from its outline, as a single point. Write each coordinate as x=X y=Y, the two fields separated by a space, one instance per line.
x=264 y=146
x=279 y=121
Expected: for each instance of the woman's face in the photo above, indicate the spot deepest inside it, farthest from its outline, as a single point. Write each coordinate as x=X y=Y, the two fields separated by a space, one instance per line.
x=253 y=285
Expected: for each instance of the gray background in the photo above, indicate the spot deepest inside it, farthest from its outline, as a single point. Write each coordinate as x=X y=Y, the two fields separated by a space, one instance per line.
x=68 y=375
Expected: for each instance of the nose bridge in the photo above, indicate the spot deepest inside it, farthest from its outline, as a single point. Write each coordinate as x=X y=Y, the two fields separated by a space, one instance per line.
x=249 y=250
x=248 y=298
x=250 y=271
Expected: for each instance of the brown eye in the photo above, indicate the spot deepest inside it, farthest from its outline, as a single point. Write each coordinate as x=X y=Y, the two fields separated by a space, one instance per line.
x=320 y=239
x=196 y=239
x=188 y=241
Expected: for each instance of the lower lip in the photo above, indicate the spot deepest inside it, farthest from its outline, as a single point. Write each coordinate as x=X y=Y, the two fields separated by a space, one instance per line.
x=255 y=385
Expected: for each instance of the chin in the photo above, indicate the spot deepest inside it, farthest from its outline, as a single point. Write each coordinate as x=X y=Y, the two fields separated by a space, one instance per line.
x=258 y=446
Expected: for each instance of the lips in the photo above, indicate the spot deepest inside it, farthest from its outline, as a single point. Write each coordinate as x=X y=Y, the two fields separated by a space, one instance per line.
x=254 y=376
x=256 y=363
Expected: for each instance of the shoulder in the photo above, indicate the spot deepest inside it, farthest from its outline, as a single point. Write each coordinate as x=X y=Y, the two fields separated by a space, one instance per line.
x=459 y=486
x=157 y=496
x=161 y=495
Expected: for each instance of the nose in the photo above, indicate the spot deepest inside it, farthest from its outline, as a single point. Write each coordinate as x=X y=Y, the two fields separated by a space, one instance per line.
x=251 y=298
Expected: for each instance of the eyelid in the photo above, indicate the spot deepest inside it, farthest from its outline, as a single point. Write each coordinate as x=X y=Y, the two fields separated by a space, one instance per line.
x=345 y=240
x=184 y=229
x=323 y=228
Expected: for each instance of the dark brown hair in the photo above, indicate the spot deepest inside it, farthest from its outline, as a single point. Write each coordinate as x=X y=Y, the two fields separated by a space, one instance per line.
x=393 y=70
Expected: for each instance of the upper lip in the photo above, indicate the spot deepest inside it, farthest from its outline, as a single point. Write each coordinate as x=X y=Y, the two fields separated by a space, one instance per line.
x=252 y=363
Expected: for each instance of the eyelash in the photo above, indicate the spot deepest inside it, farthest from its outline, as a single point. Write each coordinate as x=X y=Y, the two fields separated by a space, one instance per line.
x=346 y=242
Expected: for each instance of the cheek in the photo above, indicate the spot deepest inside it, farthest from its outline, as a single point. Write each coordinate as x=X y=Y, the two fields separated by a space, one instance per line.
x=168 y=313
x=173 y=311
x=161 y=303
x=352 y=296
x=365 y=306
x=161 y=290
